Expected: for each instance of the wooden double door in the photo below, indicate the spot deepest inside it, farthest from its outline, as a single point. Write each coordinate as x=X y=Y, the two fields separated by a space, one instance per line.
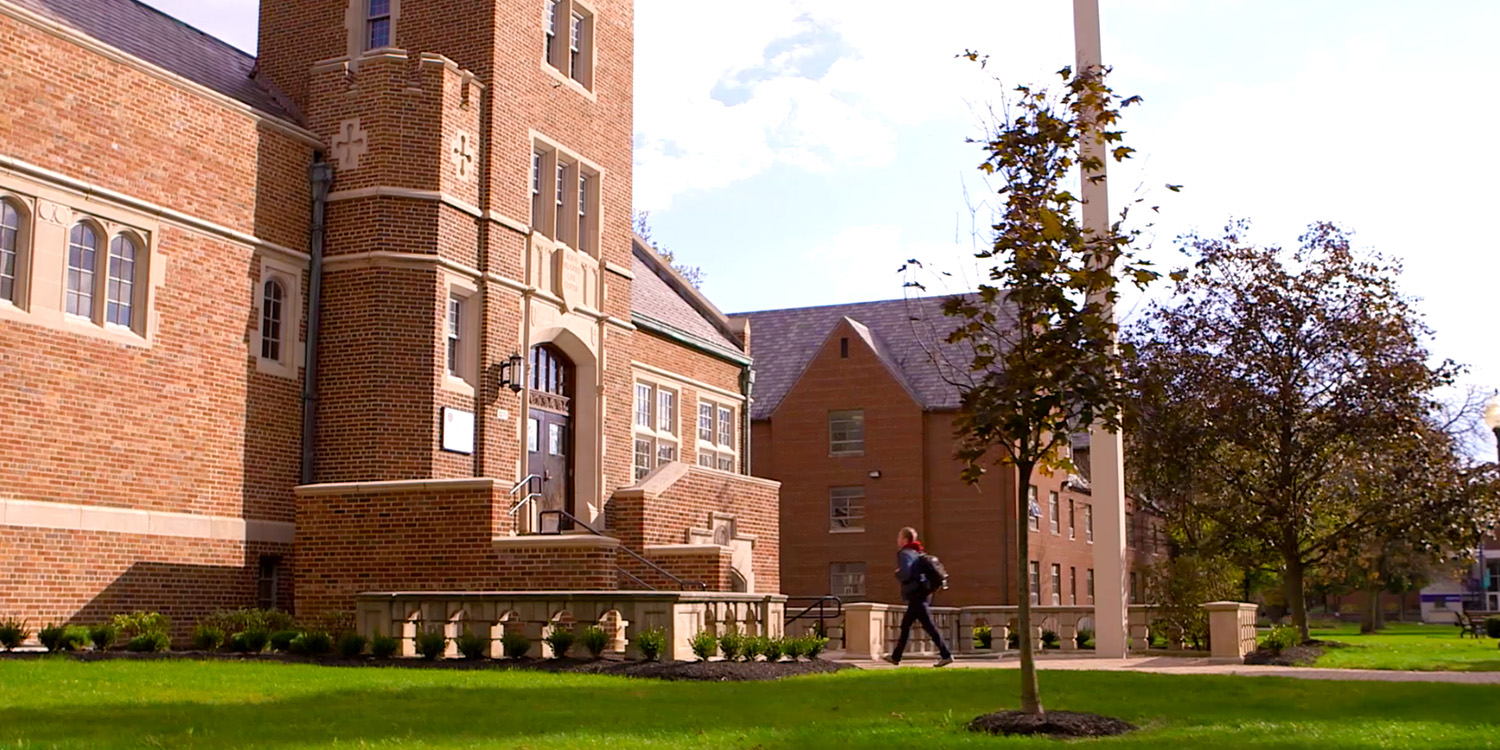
x=549 y=440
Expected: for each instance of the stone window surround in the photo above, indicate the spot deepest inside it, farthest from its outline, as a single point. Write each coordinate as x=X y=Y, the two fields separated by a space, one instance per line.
x=47 y=216
x=355 y=18
x=466 y=290
x=645 y=372
x=544 y=213
x=1054 y=512
x=714 y=447
x=557 y=67
x=292 y=351
x=654 y=434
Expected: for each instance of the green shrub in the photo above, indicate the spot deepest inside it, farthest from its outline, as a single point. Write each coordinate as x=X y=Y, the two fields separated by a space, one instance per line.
x=63 y=637
x=1050 y=639
x=731 y=644
x=431 y=644
x=1085 y=638
x=794 y=647
x=351 y=645
x=595 y=640
x=281 y=640
x=750 y=647
x=250 y=641
x=772 y=649
x=336 y=623
x=515 y=644
x=472 y=645
x=651 y=643
x=207 y=637
x=149 y=642
x=103 y=636
x=704 y=645
x=1013 y=639
x=1492 y=627
x=140 y=623
x=13 y=633
x=384 y=646
x=984 y=636
x=311 y=643
x=561 y=640
x=1281 y=638
x=235 y=621
x=815 y=645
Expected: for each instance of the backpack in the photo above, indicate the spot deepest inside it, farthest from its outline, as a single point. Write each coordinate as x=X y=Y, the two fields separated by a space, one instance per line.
x=932 y=573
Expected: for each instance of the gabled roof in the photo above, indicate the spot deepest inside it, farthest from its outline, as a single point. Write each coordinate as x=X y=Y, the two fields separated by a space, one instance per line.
x=903 y=333
x=144 y=32
x=661 y=298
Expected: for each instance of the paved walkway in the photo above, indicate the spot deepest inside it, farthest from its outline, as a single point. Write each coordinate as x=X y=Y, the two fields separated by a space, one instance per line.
x=1179 y=665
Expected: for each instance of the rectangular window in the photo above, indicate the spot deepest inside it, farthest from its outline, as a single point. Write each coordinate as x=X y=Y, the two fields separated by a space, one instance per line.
x=1072 y=585
x=1091 y=585
x=533 y=435
x=378 y=24
x=1035 y=576
x=655 y=427
x=846 y=579
x=706 y=422
x=665 y=453
x=846 y=432
x=716 y=435
x=1130 y=530
x=536 y=188
x=666 y=411
x=1056 y=583
x=1054 y=512
x=575 y=46
x=1072 y=519
x=846 y=509
x=1033 y=509
x=642 y=458
x=1088 y=523
x=1135 y=588
x=455 y=336
x=562 y=214
x=583 y=242
x=268 y=582
x=643 y=405
x=550 y=22
x=726 y=428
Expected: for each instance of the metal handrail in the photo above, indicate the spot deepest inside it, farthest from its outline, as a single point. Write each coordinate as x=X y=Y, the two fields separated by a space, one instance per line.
x=682 y=584
x=818 y=603
x=524 y=482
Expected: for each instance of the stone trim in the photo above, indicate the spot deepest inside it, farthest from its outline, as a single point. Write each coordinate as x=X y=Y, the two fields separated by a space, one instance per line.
x=11 y=165
x=684 y=380
x=388 y=191
x=69 y=34
x=684 y=549
x=398 y=485
x=293 y=352
x=619 y=270
x=74 y=517
x=556 y=540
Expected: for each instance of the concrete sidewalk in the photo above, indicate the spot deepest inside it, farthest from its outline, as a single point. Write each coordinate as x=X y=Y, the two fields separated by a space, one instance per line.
x=1180 y=665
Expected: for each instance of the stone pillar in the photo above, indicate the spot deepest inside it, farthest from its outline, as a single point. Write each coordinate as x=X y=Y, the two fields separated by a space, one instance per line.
x=1231 y=630
x=864 y=630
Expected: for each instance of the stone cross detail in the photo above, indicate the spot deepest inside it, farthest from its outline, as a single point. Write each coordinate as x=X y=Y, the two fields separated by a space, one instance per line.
x=349 y=145
x=463 y=156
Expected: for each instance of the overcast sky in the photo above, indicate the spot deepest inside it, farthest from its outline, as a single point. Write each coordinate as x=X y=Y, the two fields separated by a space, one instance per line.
x=800 y=150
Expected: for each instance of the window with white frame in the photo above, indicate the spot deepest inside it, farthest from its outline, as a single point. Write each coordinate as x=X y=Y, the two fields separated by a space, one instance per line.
x=846 y=432
x=573 y=57
x=13 y=255
x=564 y=197
x=455 y=336
x=1054 y=512
x=846 y=579
x=1088 y=523
x=716 y=435
x=272 y=333
x=846 y=509
x=1056 y=584
x=377 y=24
x=1033 y=509
x=1072 y=585
x=656 y=431
x=1034 y=571
x=1072 y=519
x=1091 y=585
x=460 y=327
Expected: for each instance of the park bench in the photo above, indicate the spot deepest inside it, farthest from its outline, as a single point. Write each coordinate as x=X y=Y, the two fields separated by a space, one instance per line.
x=1470 y=625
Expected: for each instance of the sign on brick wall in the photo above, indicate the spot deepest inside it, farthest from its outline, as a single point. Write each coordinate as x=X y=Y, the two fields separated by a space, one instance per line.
x=458 y=430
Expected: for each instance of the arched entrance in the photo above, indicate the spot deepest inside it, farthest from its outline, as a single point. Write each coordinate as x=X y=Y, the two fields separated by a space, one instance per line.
x=549 y=441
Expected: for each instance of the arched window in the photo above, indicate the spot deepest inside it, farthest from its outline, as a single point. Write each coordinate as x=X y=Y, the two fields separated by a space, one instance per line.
x=272 y=298
x=83 y=248
x=119 y=294
x=10 y=241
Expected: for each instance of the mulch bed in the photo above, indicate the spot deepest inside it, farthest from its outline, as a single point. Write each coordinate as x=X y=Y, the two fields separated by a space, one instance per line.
x=1296 y=656
x=1059 y=724
x=713 y=671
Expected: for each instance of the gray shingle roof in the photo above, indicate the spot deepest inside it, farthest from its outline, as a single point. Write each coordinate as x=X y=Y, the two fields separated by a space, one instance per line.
x=902 y=333
x=142 y=31
x=657 y=297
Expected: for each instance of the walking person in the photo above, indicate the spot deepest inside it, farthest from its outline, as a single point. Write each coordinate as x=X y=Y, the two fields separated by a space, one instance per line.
x=920 y=575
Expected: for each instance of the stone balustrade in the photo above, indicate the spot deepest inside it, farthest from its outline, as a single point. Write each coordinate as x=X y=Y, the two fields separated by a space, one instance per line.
x=622 y=614
x=871 y=629
x=1231 y=630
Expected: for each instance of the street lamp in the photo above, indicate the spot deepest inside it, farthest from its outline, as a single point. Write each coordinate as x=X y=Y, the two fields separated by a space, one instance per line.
x=1492 y=418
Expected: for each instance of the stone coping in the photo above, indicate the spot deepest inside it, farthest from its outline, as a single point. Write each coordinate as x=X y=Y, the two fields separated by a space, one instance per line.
x=664 y=596
x=555 y=540
x=685 y=549
x=399 y=485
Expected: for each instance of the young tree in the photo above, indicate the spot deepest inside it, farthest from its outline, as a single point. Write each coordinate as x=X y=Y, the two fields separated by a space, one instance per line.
x=693 y=274
x=1031 y=350
x=1292 y=381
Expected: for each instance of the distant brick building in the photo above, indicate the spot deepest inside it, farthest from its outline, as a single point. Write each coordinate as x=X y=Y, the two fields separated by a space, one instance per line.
x=855 y=420
x=281 y=330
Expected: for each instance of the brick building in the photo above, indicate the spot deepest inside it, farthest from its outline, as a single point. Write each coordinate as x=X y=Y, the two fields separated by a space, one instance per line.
x=855 y=420
x=278 y=330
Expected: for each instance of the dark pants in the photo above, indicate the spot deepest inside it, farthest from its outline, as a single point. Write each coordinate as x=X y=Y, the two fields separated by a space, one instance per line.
x=917 y=611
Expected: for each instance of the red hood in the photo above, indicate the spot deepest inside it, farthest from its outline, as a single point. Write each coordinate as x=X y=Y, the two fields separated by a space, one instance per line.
x=914 y=545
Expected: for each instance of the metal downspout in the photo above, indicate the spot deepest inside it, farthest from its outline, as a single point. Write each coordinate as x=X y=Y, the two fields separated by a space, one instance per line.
x=747 y=384
x=321 y=176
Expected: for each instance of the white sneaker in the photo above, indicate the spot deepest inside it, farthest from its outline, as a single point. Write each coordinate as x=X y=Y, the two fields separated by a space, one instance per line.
x=943 y=662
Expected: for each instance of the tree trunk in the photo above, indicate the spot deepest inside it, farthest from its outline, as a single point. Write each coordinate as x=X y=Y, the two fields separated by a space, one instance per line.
x=1294 y=596
x=1379 y=611
x=1369 y=622
x=1031 y=701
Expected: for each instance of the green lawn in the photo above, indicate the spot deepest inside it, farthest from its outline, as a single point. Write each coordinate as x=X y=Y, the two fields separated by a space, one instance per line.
x=1430 y=648
x=56 y=703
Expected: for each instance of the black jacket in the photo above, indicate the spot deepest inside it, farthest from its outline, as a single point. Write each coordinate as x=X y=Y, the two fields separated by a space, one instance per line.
x=909 y=573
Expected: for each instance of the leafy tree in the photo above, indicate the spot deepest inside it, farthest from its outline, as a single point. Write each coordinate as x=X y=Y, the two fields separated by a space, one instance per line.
x=693 y=274
x=1285 y=398
x=1031 y=350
